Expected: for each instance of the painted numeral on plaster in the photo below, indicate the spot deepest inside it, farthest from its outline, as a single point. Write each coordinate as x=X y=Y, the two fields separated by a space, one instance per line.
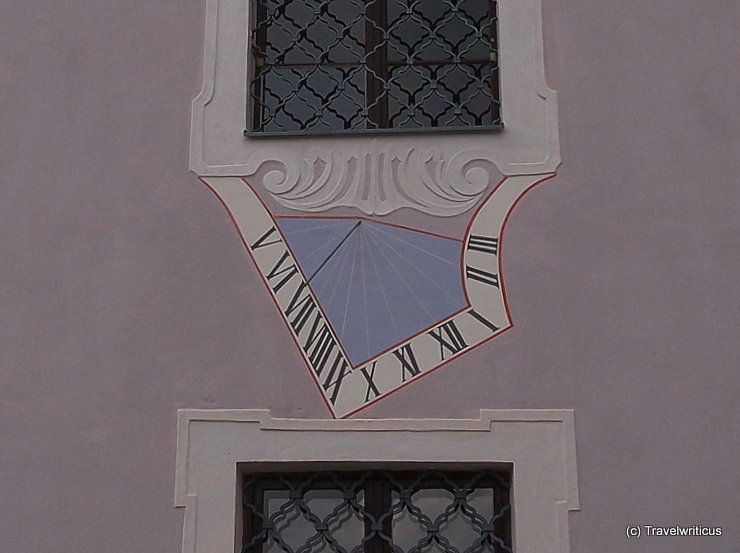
x=372 y=389
x=484 y=244
x=450 y=339
x=409 y=364
x=480 y=275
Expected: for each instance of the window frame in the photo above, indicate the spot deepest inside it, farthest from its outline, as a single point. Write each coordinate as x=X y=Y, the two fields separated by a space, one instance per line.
x=213 y=446
x=528 y=146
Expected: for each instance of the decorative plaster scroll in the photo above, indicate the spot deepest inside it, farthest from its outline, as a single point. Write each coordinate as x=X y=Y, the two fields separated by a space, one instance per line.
x=377 y=180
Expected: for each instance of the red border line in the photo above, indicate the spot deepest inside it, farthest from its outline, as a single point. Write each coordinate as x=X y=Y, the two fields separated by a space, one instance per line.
x=405 y=341
x=467 y=232
x=363 y=363
x=503 y=291
x=403 y=385
x=370 y=219
x=501 y=240
x=269 y=290
x=466 y=236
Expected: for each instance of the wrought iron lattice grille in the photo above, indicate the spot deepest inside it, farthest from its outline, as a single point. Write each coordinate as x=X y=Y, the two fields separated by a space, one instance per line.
x=377 y=512
x=331 y=66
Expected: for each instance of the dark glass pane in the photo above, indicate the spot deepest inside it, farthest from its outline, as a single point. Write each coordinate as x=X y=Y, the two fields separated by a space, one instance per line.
x=429 y=511
x=347 y=65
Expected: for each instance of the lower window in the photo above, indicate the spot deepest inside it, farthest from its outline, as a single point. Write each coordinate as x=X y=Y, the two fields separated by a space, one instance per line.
x=377 y=511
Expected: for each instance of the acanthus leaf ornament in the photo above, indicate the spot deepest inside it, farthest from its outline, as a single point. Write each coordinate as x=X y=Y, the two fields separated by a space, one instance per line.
x=377 y=180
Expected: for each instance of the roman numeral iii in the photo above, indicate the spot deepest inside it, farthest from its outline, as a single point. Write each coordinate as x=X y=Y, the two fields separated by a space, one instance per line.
x=484 y=244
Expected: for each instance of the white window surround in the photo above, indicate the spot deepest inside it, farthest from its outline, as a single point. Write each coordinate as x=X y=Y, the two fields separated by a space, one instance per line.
x=540 y=444
x=527 y=146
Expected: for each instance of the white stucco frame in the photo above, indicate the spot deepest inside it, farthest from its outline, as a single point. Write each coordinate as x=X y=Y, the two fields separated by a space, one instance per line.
x=528 y=145
x=539 y=443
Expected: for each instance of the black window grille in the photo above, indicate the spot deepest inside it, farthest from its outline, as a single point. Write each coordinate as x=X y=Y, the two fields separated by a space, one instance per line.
x=331 y=66
x=429 y=511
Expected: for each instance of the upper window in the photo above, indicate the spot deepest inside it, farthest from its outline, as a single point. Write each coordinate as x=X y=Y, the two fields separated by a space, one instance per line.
x=431 y=511
x=332 y=66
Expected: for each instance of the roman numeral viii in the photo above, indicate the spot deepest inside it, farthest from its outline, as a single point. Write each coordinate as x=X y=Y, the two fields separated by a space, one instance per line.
x=325 y=357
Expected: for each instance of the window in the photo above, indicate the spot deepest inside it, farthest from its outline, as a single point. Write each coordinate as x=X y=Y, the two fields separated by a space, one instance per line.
x=218 y=450
x=328 y=66
x=377 y=511
x=235 y=87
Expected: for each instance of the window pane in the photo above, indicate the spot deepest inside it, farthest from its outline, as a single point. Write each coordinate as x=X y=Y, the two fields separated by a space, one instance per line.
x=297 y=523
x=453 y=95
x=349 y=65
x=459 y=526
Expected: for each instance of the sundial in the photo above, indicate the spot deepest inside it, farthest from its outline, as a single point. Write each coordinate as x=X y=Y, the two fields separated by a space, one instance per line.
x=374 y=305
x=373 y=170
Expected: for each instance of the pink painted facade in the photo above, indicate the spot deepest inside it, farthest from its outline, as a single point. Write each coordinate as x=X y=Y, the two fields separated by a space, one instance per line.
x=127 y=294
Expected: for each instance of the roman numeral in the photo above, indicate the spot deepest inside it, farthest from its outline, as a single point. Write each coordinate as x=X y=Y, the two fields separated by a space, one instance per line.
x=450 y=339
x=333 y=381
x=303 y=305
x=279 y=269
x=485 y=244
x=371 y=387
x=482 y=320
x=319 y=344
x=268 y=239
x=409 y=365
x=482 y=276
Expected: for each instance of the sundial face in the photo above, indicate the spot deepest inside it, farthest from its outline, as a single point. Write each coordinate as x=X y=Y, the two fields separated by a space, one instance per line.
x=375 y=300
x=374 y=305
x=376 y=283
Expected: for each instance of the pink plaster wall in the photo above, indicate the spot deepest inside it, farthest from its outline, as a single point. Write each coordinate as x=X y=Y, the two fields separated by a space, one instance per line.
x=125 y=292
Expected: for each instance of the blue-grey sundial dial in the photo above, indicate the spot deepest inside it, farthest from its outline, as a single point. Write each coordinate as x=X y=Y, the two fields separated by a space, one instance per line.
x=376 y=283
